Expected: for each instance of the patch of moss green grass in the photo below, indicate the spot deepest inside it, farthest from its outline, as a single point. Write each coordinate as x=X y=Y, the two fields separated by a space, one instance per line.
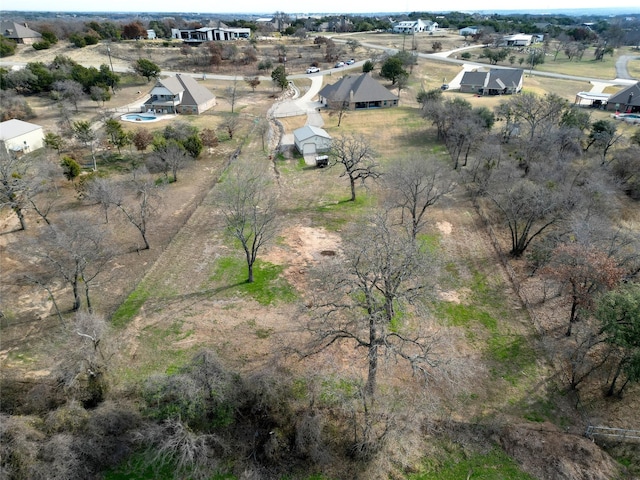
x=268 y=287
x=130 y=307
x=509 y=353
x=139 y=467
x=154 y=342
x=457 y=465
x=334 y=215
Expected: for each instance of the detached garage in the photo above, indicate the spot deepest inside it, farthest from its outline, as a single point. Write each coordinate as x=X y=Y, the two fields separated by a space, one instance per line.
x=310 y=141
x=20 y=137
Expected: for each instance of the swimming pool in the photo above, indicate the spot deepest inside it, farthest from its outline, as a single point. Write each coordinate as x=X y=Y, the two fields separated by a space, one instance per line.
x=137 y=117
x=628 y=117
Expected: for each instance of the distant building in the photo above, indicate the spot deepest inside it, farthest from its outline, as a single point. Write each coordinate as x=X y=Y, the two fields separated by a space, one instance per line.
x=151 y=34
x=517 y=40
x=414 y=26
x=468 y=31
x=209 y=34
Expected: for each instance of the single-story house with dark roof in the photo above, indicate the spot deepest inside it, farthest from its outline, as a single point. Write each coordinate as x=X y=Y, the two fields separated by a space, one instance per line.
x=179 y=94
x=626 y=100
x=357 y=92
x=466 y=31
x=19 y=32
x=20 y=137
x=496 y=81
x=310 y=140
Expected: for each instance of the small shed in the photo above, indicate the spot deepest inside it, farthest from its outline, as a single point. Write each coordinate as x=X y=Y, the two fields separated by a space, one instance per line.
x=20 y=137
x=310 y=141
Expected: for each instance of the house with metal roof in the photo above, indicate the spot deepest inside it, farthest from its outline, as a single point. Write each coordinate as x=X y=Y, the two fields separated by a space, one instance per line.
x=496 y=81
x=355 y=92
x=179 y=94
x=19 y=32
x=20 y=137
x=310 y=141
x=626 y=100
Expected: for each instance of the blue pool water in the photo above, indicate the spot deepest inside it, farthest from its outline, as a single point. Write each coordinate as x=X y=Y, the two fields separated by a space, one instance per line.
x=136 y=117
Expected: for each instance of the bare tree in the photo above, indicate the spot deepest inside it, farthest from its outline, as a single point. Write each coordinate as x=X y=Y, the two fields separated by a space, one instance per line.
x=248 y=204
x=169 y=156
x=338 y=108
x=83 y=369
x=357 y=156
x=13 y=170
x=103 y=192
x=538 y=113
x=382 y=271
x=231 y=123
x=142 y=209
x=69 y=90
x=414 y=185
x=26 y=182
x=528 y=208
x=584 y=272
x=232 y=93
x=75 y=250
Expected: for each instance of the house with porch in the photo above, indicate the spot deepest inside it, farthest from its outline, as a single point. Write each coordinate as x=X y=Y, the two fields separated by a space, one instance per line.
x=179 y=94
x=496 y=81
x=354 y=92
x=415 y=26
x=196 y=36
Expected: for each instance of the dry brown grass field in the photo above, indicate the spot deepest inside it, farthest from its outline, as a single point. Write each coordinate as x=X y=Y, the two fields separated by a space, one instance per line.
x=185 y=303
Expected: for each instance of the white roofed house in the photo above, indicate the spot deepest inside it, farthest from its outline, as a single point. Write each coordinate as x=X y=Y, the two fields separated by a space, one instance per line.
x=17 y=136
x=518 y=40
x=179 y=94
x=197 y=36
x=415 y=26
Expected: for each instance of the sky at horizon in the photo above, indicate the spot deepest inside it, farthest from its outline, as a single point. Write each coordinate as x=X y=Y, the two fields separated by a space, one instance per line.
x=295 y=6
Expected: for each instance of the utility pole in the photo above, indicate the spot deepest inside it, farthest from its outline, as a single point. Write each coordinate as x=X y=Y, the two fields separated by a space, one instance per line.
x=113 y=90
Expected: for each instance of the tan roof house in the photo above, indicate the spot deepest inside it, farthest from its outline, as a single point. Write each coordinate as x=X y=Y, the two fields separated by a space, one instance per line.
x=357 y=92
x=19 y=32
x=20 y=137
x=179 y=94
